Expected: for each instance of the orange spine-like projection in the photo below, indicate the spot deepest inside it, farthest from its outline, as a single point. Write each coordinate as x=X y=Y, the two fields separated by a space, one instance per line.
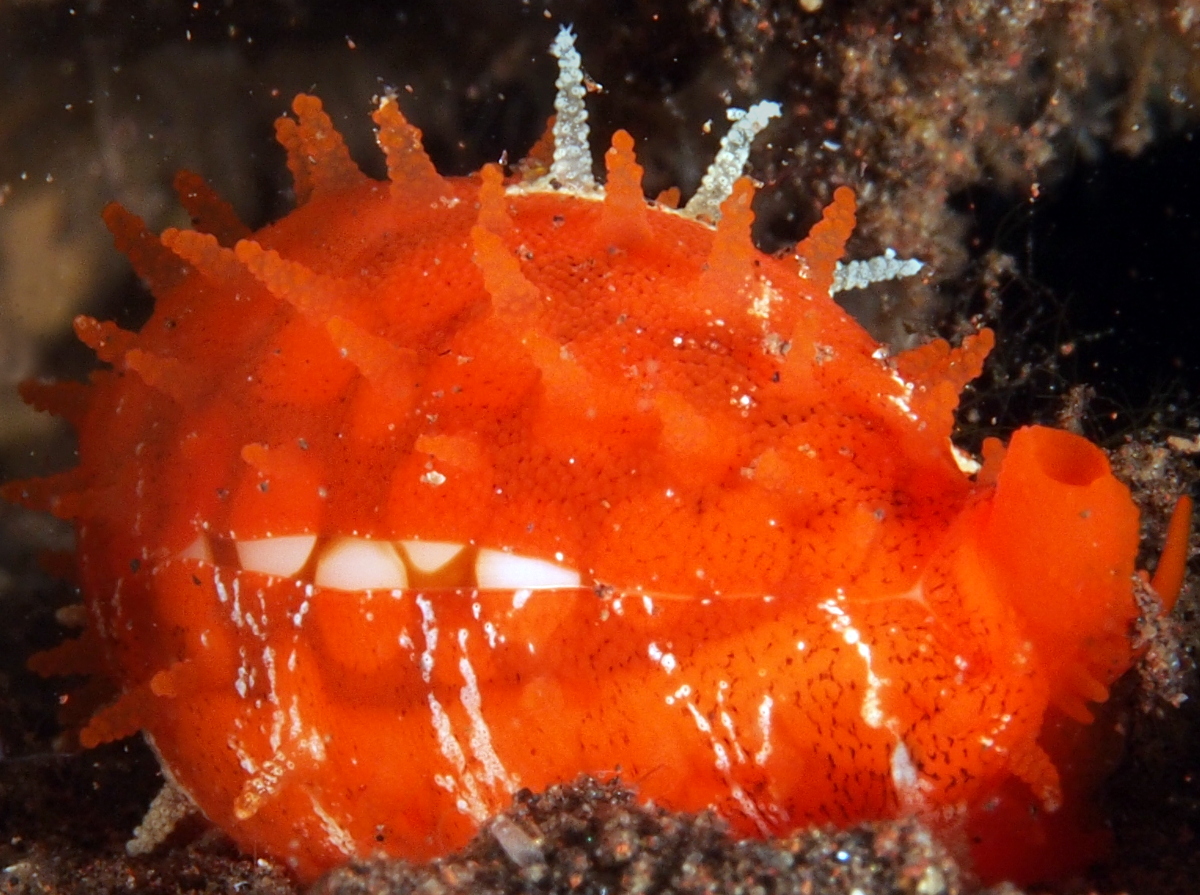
x=441 y=487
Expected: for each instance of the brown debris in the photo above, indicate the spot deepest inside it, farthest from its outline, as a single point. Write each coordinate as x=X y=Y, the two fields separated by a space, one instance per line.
x=913 y=103
x=1165 y=667
x=597 y=840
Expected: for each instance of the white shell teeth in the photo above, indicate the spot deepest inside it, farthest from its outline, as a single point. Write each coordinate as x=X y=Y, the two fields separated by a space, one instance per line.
x=497 y=569
x=428 y=557
x=351 y=563
x=360 y=564
x=283 y=556
x=199 y=549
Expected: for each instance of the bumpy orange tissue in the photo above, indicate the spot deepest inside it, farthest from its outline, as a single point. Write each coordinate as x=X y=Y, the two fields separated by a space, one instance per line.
x=438 y=488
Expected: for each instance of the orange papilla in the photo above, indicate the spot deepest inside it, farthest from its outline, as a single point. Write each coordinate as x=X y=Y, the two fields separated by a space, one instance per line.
x=208 y=211
x=803 y=610
x=1172 y=564
x=1075 y=598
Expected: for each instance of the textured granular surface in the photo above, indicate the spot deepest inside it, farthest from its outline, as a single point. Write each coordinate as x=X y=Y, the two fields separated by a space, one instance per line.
x=592 y=838
x=64 y=820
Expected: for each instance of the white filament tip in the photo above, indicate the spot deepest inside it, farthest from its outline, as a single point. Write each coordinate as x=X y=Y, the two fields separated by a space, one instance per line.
x=572 y=164
x=717 y=183
x=857 y=274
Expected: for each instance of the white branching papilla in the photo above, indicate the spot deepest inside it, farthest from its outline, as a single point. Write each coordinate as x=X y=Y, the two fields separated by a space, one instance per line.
x=730 y=161
x=572 y=165
x=857 y=274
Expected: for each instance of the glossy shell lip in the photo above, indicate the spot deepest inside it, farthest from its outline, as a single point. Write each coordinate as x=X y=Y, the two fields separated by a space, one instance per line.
x=352 y=563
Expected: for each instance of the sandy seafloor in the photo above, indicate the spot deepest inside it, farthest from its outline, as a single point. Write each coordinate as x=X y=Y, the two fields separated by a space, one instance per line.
x=1038 y=155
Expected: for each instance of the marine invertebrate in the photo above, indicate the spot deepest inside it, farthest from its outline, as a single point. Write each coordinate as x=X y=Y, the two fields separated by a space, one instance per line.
x=439 y=487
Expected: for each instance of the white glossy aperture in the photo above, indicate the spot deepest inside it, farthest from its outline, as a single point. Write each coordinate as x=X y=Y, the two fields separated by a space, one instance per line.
x=199 y=549
x=360 y=564
x=428 y=557
x=283 y=556
x=497 y=569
